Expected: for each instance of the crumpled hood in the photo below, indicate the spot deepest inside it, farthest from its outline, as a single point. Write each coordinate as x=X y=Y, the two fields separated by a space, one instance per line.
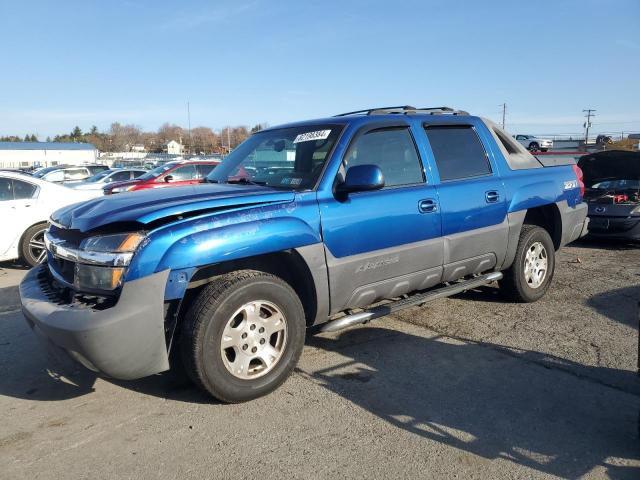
x=150 y=205
x=610 y=165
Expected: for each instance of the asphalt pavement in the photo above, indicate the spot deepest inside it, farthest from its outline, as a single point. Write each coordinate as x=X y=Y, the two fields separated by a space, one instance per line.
x=466 y=387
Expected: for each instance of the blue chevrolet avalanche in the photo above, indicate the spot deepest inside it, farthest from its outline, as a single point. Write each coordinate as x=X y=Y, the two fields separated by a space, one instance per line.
x=326 y=223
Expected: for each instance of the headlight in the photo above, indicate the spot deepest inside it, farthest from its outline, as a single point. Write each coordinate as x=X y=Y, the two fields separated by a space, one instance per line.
x=119 y=189
x=103 y=260
x=636 y=211
x=117 y=243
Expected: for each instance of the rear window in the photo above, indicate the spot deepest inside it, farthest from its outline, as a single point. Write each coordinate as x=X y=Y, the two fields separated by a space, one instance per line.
x=458 y=152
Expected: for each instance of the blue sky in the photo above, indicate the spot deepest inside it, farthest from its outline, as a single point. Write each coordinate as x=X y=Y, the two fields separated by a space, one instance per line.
x=88 y=62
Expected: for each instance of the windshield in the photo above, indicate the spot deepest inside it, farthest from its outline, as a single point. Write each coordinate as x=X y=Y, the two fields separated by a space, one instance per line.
x=156 y=172
x=99 y=176
x=43 y=171
x=287 y=158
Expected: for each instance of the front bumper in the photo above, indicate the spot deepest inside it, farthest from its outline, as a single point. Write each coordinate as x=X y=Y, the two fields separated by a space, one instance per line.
x=615 y=227
x=125 y=341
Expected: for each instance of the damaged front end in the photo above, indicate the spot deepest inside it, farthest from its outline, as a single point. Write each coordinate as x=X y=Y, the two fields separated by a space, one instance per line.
x=612 y=181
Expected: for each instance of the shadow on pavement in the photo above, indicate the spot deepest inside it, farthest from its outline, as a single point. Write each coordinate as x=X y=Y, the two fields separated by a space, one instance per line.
x=605 y=244
x=621 y=305
x=30 y=370
x=494 y=402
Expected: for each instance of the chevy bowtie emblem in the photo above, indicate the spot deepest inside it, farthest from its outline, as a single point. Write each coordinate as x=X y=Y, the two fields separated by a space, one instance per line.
x=600 y=209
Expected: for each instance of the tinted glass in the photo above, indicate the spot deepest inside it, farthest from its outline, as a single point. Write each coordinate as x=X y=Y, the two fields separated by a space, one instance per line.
x=137 y=173
x=458 y=152
x=188 y=172
x=393 y=151
x=156 y=172
x=6 y=189
x=205 y=170
x=98 y=176
x=286 y=158
x=120 y=176
x=23 y=190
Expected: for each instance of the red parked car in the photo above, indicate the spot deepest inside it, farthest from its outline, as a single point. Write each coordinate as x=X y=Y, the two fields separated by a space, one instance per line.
x=171 y=174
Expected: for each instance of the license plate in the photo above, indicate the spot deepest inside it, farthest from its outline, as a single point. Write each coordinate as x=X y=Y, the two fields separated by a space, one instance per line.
x=596 y=223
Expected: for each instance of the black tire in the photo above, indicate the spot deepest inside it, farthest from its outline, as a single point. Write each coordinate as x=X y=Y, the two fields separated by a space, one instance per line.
x=514 y=284
x=534 y=147
x=206 y=319
x=27 y=252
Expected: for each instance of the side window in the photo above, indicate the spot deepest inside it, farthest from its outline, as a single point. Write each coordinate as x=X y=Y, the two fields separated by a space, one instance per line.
x=458 y=152
x=137 y=173
x=392 y=150
x=23 y=190
x=119 y=177
x=204 y=170
x=6 y=189
x=188 y=172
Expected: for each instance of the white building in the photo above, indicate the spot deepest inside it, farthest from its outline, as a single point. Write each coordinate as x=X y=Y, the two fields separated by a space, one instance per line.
x=45 y=154
x=174 y=148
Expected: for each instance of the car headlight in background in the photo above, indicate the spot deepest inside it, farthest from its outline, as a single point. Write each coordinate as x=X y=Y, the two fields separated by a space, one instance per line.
x=103 y=260
x=636 y=210
x=120 y=189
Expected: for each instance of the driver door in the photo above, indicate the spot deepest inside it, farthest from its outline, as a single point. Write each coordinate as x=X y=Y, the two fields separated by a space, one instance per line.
x=384 y=243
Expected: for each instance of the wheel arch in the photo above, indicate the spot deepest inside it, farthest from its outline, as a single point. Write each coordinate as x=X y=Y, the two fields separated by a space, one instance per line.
x=291 y=265
x=546 y=216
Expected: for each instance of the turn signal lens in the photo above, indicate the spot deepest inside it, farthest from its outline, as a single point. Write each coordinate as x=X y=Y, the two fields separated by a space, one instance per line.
x=92 y=277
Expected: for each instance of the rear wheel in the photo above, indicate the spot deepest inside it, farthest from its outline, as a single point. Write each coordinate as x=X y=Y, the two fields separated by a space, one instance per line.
x=531 y=273
x=32 y=249
x=243 y=335
x=534 y=147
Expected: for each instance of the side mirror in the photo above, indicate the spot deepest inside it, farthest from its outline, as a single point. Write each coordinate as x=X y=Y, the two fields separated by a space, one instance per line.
x=168 y=178
x=362 y=178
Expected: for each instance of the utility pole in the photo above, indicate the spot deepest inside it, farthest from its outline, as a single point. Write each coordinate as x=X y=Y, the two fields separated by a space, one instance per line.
x=229 y=139
x=587 y=124
x=504 y=113
x=189 y=123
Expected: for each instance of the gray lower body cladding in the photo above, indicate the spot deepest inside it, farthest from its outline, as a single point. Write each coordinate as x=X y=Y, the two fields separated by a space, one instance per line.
x=126 y=341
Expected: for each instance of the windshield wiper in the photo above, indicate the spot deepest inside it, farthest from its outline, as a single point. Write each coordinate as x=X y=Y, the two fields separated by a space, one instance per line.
x=246 y=181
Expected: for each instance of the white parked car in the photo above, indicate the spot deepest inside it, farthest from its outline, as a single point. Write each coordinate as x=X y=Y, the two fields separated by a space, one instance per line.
x=99 y=180
x=535 y=144
x=26 y=203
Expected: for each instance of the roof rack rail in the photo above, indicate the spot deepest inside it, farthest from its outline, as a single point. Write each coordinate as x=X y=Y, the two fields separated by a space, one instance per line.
x=405 y=110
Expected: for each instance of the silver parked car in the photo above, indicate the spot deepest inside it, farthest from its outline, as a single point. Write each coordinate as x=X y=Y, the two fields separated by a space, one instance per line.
x=99 y=180
x=535 y=144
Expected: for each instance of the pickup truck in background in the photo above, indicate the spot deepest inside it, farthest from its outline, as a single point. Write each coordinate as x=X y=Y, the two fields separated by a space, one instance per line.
x=390 y=207
x=535 y=144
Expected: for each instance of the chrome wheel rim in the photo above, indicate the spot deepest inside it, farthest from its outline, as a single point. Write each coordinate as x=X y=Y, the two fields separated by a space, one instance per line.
x=254 y=339
x=535 y=265
x=37 y=250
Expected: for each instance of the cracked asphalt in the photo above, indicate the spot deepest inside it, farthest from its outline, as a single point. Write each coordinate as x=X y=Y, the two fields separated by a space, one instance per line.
x=466 y=387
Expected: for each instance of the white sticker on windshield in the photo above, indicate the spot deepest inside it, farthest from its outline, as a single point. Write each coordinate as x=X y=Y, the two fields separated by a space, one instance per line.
x=309 y=136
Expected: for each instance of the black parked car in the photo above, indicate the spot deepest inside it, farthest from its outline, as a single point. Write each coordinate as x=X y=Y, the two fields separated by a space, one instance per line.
x=612 y=181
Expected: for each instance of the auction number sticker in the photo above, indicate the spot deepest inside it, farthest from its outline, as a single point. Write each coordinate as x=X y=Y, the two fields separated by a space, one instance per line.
x=310 y=136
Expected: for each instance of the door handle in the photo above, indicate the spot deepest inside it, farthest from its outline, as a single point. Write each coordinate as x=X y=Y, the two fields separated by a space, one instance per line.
x=492 y=196
x=428 y=205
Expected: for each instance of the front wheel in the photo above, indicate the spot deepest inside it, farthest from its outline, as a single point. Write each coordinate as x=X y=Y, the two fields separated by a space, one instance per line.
x=534 y=147
x=243 y=335
x=530 y=275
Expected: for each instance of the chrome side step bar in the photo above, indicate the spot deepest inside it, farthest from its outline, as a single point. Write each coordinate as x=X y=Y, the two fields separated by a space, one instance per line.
x=417 y=299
